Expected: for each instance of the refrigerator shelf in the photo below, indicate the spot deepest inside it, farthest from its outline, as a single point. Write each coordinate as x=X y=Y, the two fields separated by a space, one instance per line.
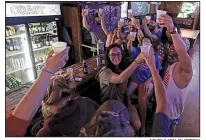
x=45 y=47
x=14 y=53
x=16 y=36
x=51 y=33
x=14 y=70
x=27 y=37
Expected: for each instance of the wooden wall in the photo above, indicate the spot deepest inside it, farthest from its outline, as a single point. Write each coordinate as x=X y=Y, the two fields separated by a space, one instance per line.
x=171 y=7
x=72 y=19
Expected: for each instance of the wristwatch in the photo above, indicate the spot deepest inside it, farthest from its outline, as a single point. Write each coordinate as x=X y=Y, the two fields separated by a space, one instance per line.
x=173 y=31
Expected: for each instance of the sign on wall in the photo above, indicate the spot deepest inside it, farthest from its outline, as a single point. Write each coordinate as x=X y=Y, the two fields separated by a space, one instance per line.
x=22 y=10
x=139 y=8
x=124 y=8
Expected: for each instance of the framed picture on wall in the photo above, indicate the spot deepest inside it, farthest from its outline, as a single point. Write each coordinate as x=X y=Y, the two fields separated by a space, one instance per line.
x=139 y=8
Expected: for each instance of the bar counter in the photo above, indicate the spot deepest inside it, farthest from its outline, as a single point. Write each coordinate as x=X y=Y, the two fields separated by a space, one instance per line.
x=15 y=95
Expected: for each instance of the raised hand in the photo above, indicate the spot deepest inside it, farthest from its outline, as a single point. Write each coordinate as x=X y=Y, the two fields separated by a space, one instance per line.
x=149 y=59
x=144 y=21
x=83 y=13
x=56 y=62
x=130 y=38
x=167 y=21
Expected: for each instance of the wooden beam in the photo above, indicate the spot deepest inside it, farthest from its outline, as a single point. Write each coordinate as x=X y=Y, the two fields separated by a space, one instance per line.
x=72 y=20
x=197 y=15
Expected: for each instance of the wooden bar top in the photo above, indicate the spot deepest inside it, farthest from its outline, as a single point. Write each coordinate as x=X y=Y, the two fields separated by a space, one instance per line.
x=78 y=67
x=78 y=71
x=14 y=96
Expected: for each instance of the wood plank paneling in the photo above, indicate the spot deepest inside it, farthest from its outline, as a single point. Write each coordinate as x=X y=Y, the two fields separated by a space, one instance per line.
x=72 y=20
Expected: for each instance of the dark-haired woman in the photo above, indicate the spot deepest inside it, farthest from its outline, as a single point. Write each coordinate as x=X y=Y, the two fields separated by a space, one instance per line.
x=114 y=78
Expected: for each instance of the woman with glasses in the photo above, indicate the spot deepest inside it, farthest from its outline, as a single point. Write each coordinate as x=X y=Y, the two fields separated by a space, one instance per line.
x=114 y=78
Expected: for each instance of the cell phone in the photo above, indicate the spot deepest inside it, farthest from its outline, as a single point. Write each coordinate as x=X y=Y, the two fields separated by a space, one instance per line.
x=125 y=29
x=78 y=79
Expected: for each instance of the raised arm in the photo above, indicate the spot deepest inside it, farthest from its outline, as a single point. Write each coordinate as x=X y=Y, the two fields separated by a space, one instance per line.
x=140 y=35
x=161 y=123
x=104 y=28
x=125 y=75
x=179 y=45
x=147 y=31
x=120 y=35
x=129 y=43
x=160 y=91
x=84 y=20
x=183 y=57
x=29 y=104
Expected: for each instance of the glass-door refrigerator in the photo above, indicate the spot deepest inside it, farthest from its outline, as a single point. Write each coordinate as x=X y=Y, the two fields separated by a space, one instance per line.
x=18 y=59
x=29 y=36
x=42 y=36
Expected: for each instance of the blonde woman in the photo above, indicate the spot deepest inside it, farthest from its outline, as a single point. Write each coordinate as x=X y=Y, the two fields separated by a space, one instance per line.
x=64 y=112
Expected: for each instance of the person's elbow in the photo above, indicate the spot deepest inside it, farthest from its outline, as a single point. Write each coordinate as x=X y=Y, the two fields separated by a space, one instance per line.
x=84 y=26
x=154 y=37
x=129 y=48
x=87 y=28
x=186 y=64
x=117 y=79
x=106 y=32
x=121 y=79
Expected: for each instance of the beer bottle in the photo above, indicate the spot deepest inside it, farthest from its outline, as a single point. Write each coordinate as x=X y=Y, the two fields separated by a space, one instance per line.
x=85 y=68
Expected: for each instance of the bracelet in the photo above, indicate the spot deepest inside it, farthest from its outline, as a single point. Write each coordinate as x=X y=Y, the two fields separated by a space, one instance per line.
x=136 y=62
x=48 y=71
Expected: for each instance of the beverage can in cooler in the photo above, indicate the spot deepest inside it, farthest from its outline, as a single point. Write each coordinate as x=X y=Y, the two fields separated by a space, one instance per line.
x=20 y=44
x=12 y=63
x=23 y=61
x=20 y=61
x=17 y=62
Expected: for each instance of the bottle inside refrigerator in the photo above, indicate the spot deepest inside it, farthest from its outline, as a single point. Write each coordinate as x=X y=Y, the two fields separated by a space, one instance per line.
x=43 y=35
x=18 y=59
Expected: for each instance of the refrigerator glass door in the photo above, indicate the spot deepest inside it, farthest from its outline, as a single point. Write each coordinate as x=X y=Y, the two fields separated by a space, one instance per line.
x=18 y=59
x=43 y=35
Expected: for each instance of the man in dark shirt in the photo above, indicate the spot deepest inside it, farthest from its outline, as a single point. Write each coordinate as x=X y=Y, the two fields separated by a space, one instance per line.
x=151 y=29
x=95 y=28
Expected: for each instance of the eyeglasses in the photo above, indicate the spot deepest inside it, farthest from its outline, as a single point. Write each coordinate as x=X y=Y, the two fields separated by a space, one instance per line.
x=147 y=44
x=113 y=55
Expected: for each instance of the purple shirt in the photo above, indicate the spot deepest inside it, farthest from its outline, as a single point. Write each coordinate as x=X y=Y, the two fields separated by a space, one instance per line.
x=98 y=33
